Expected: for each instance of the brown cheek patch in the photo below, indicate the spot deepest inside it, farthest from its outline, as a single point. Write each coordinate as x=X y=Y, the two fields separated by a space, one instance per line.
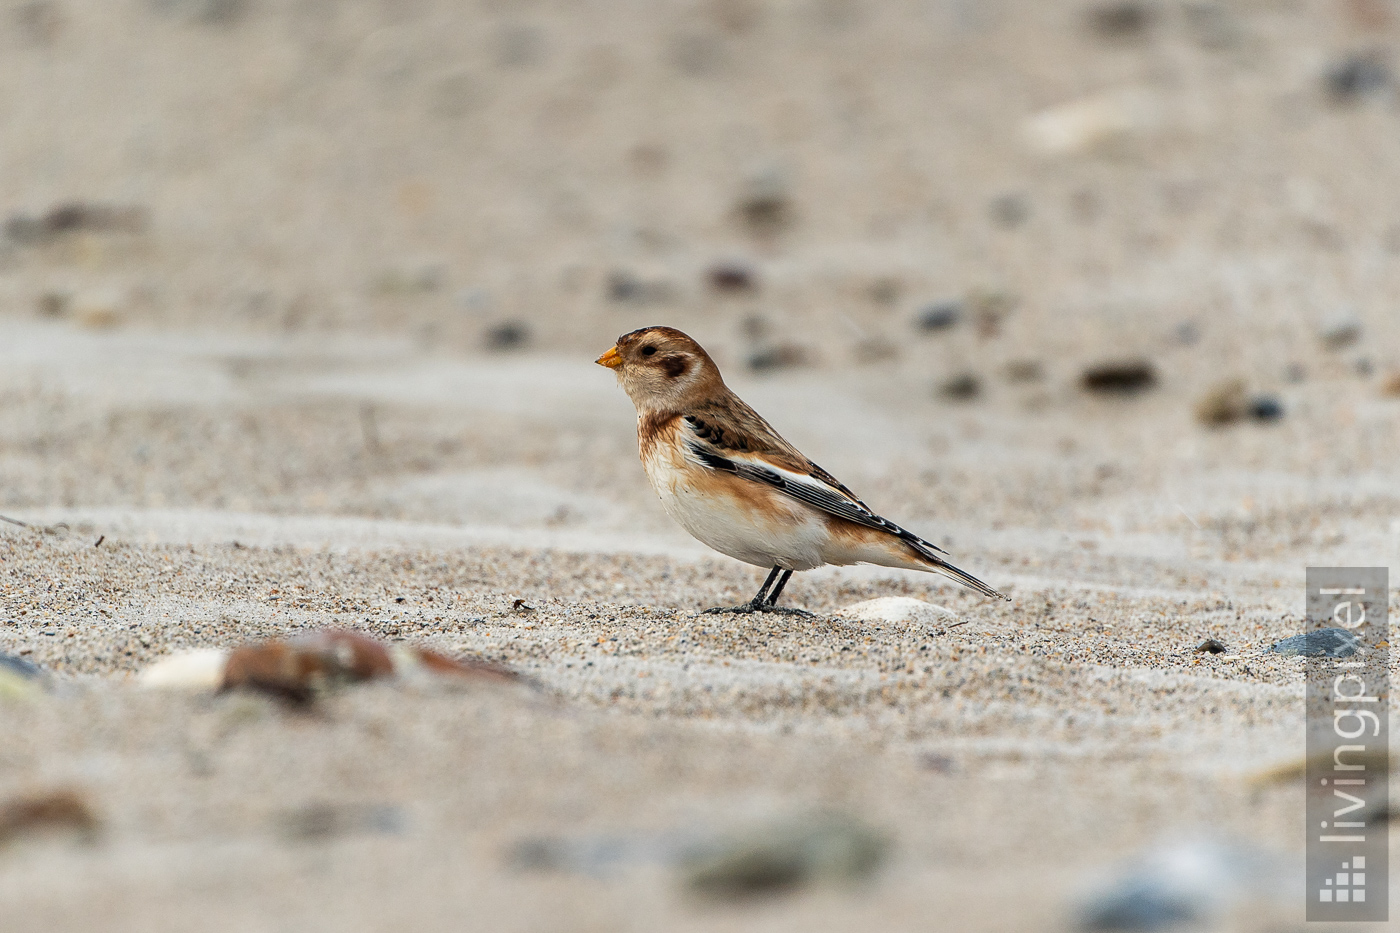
x=674 y=366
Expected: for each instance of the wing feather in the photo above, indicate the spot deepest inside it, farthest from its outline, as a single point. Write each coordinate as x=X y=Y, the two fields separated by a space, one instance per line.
x=740 y=442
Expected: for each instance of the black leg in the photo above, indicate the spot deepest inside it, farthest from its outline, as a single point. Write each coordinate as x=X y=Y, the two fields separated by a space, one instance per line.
x=762 y=594
x=763 y=600
x=777 y=590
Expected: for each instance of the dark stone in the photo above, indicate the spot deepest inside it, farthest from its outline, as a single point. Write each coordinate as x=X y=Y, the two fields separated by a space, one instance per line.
x=1140 y=906
x=1323 y=643
x=732 y=277
x=783 y=858
x=766 y=207
x=1127 y=19
x=961 y=388
x=1212 y=25
x=1356 y=77
x=782 y=356
x=1024 y=371
x=322 y=821
x=940 y=315
x=626 y=288
x=510 y=335
x=1211 y=646
x=75 y=216
x=765 y=214
x=1123 y=377
x=26 y=669
x=1265 y=408
x=213 y=12
x=1009 y=210
x=1340 y=332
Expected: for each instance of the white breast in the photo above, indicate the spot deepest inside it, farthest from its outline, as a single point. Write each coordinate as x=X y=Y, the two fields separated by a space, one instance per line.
x=789 y=535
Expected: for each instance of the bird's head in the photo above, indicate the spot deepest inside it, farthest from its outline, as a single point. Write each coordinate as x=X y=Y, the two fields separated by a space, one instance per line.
x=661 y=368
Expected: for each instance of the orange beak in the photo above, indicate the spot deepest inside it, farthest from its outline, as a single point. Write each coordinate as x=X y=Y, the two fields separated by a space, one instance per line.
x=612 y=359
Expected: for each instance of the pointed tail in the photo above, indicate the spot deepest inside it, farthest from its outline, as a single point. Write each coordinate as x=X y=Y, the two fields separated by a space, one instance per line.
x=929 y=554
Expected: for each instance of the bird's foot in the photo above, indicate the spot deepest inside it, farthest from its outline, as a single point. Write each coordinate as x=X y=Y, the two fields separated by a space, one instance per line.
x=755 y=606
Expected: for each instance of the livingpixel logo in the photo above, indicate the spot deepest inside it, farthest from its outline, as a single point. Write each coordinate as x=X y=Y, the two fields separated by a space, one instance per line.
x=1347 y=885
x=1348 y=747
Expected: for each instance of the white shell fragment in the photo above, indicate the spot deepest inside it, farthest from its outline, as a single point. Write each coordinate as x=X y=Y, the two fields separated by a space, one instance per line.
x=200 y=669
x=1090 y=123
x=900 y=610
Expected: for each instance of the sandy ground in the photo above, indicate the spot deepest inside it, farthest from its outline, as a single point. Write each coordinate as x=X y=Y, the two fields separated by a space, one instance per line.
x=274 y=406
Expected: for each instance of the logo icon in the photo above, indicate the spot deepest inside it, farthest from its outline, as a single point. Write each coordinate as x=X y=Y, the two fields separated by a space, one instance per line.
x=1347 y=885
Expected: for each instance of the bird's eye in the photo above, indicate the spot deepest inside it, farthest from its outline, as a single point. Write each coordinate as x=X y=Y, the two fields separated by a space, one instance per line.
x=648 y=351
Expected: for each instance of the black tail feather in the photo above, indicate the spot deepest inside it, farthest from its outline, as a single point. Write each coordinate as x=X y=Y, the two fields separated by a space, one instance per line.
x=926 y=551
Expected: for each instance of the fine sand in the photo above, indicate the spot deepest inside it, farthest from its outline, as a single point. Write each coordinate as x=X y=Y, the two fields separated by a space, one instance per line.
x=288 y=399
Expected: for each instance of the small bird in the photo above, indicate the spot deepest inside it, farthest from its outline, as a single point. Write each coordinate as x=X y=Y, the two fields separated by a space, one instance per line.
x=734 y=483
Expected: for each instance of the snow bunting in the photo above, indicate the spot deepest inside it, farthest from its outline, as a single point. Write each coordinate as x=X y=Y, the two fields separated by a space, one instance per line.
x=730 y=480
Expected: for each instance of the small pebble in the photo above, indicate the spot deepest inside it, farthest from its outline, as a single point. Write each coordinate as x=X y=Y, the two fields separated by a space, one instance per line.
x=961 y=388
x=52 y=304
x=1224 y=404
x=776 y=859
x=1125 y=19
x=1009 y=211
x=1189 y=884
x=1213 y=25
x=1340 y=331
x=1211 y=646
x=1265 y=408
x=876 y=350
x=1125 y=377
x=1323 y=643
x=782 y=356
x=1024 y=371
x=321 y=821
x=1391 y=386
x=74 y=217
x=301 y=668
x=41 y=22
x=19 y=679
x=626 y=288
x=1356 y=77
x=732 y=277
x=211 y=12
x=766 y=206
x=19 y=667
x=885 y=290
x=940 y=316
x=990 y=307
x=510 y=335
x=55 y=811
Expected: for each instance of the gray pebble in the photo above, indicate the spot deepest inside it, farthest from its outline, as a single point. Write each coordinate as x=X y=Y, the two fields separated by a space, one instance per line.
x=940 y=315
x=510 y=335
x=1356 y=77
x=1340 y=332
x=1265 y=408
x=961 y=388
x=20 y=667
x=1323 y=643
